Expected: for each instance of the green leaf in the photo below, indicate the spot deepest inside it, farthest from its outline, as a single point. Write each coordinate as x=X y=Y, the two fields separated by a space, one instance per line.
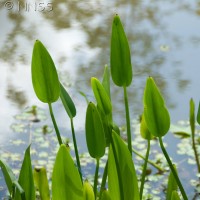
x=95 y=136
x=102 y=98
x=106 y=195
x=198 y=114
x=88 y=191
x=120 y=59
x=192 y=116
x=175 y=195
x=182 y=134
x=44 y=75
x=66 y=182
x=155 y=112
x=41 y=182
x=26 y=183
x=106 y=80
x=67 y=102
x=172 y=185
x=144 y=131
x=121 y=168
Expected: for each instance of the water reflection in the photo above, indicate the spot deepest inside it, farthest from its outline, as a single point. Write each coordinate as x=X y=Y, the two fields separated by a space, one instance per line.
x=78 y=36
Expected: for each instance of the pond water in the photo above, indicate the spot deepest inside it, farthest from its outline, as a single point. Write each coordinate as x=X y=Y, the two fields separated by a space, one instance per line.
x=163 y=36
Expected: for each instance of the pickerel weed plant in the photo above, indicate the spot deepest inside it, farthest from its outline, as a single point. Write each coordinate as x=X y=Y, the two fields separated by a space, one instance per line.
x=119 y=180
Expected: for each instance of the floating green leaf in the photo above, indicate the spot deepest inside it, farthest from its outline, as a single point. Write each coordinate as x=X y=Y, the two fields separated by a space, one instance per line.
x=121 y=170
x=26 y=178
x=66 y=182
x=41 y=183
x=155 y=112
x=67 y=102
x=182 y=134
x=95 y=136
x=88 y=191
x=102 y=98
x=120 y=59
x=44 y=75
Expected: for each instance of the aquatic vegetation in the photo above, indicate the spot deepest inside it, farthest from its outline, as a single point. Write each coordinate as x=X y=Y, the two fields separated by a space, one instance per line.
x=105 y=140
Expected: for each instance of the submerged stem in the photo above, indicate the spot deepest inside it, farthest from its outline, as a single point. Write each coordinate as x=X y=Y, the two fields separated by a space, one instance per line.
x=96 y=178
x=55 y=124
x=128 y=125
x=144 y=170
x=76 y=149
x=173 y=170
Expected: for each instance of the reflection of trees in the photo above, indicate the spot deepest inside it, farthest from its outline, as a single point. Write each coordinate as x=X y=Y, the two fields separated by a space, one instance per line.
x=143 y=23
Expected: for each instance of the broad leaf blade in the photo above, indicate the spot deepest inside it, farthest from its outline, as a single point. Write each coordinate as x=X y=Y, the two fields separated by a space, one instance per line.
x=102 y=98
x=67 y=102
x=26 y=183
x=155 y=112
x=127 y=171
x=41 y=182
x=44 y=75
x=175 y=195
x=95 y=136
x=120 y=59
x=66 y=182
x=144 y=131
x=106 y=80
x=106 y=195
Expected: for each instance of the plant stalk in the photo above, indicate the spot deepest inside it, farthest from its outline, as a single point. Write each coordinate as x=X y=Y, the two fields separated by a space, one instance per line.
x=144 y=170
x=55 y=124
x=172 y=169
x=149 y=161
x=76 y=149
x=96 y=178
x=103 y=183
x=128 y=125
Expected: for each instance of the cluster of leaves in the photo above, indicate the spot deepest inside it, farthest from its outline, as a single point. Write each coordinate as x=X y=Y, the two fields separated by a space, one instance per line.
x=101 y=133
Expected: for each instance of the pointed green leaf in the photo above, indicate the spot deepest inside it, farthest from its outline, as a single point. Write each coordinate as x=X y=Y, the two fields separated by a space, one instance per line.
x=106 y=195
x=26 y=183
x=144 y=131
x=175 y=195
x=155 y=112
x=44 y=75
x=124 y=163
x=106 y=80
x=198 y=114
x=95 y=136
x=67 y=102
x=88 y=191
x=120 y=59
x=171 y=186
x=41 y=183
x=66 y=182
x=192 y=116
x=103 y=101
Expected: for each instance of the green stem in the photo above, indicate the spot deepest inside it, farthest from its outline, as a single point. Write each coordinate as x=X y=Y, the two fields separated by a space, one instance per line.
x=195 y=150
x=103 y=183
x=144 y=170
x=76 y=149
x=96 y=178
x=172 y=169
x=128 y=121
x=55 y=125
x=149 y=161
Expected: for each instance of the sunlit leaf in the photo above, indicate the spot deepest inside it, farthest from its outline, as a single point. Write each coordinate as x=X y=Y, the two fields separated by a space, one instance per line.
x=120 y=59
x=41 y=182
x=26 y=183
x=66 y=182
x=121 y=170
x=67 y=102
x=155 y=112
x=95 y=136
x=175 y=195
x=144 y=131
x=44 y=75
x=88 y=191
x=106 y=80
x=106 y=195
x=102 y=98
